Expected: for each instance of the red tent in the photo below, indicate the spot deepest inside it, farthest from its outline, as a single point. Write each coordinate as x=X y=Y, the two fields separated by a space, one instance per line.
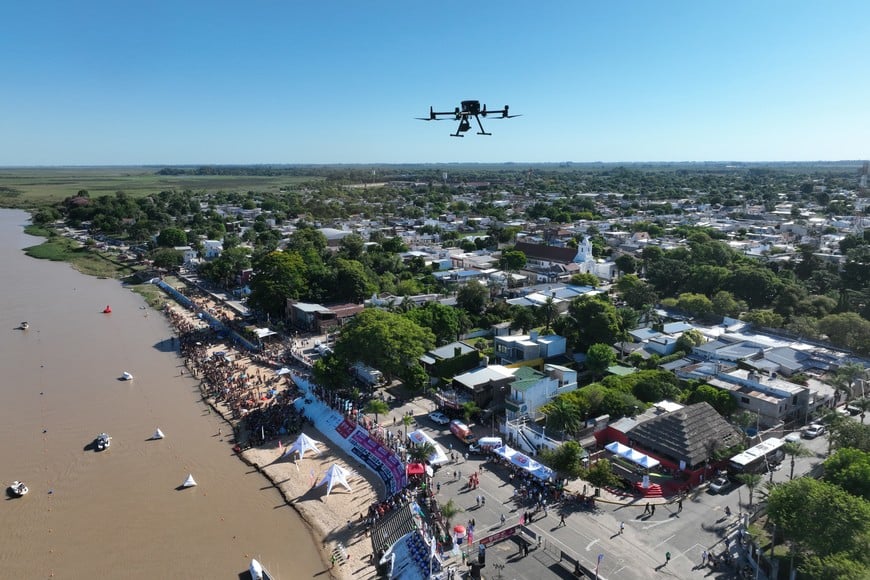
x=415 y=469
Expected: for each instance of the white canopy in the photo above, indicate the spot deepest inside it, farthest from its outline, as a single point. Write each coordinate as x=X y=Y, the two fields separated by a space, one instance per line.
x=279 y=372
x=158 y=434
x=617 y=448
x=632 y=455
x=335 y=474
x=524 y=462
x=302 y=444
x=419 y=437
x=189 y=482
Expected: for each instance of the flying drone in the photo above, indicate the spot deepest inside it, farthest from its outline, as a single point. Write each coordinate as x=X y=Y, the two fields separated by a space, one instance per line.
x=464 y=113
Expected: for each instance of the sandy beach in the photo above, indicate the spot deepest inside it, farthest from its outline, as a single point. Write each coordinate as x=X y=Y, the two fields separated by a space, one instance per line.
x=336 y=521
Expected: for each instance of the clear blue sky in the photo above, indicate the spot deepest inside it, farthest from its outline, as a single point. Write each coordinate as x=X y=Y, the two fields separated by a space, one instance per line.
x=307 y=81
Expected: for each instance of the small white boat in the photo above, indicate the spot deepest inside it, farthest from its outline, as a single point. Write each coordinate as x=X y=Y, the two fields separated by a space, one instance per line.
x=18 y=488
x=102 y=442
x=189 y=482
x=126 y=376
x=158 y=434
x=24 y=325
x=258 y=572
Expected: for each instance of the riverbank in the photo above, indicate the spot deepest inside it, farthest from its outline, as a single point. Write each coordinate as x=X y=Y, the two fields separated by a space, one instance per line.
x=336 y=522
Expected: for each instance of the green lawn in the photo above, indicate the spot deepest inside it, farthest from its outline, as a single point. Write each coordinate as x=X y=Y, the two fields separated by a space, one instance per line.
x=85 y=260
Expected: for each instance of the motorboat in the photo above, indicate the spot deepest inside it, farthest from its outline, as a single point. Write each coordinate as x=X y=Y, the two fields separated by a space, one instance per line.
x=125 y=376
x=18 y=488
x=259 y=572
x=102 y=441
x=24 y=325
x=189 y=482
x=158 y=434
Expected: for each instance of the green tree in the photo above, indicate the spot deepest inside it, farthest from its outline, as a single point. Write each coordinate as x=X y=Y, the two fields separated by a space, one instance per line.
x=695 y=304
x=548 y=311
x=445 y=322
x=848 y=330
x=626 y=264
x=469 y=410
x=820 y=516
x=377 y=407
x=277 y=277
x=472 y=298
x=566 y=459
x=590 y=320
x=407 y=420
x=600 y=474
x=850 y=469
x=720 y=400
x=566 y=413
x=167 y=258
x=689 y=340
x=598 y=358
x=636 y=292
x=421 y=452
x=172 y=237
x=751 y=481
x=763 y=318
x=386 y=341
x=523 y=318
x=838 y=566
x=795 y=449
x=512 y=260
x=351 y=281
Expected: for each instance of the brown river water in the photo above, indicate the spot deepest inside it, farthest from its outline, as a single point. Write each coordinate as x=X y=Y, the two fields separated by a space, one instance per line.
x=118 y=513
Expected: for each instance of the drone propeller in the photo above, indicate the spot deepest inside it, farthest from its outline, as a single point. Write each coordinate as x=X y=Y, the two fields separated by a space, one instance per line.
x=431 y=116
x=504 y=114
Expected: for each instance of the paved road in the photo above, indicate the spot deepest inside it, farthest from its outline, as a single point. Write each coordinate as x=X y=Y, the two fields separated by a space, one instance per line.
x=638 y=553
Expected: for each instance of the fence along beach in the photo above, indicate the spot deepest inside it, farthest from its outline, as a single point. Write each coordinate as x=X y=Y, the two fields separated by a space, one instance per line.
x=118 y=513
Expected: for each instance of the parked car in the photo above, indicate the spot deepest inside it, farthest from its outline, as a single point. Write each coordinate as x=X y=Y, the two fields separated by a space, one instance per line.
x=853 y=410
x=813 y=431
x=793 y=437
x=720 y=484
x=439 y=417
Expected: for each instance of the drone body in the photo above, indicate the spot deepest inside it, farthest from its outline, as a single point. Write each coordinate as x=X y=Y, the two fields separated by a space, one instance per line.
x=464 y=113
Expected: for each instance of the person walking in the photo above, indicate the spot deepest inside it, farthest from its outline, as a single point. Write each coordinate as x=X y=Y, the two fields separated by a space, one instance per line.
x=652 y=510
x=679 y=505
x=667 y=558
x=646 y=508
x=621 y=527
x=704 y=558
x=502 y=519
x=561 y=520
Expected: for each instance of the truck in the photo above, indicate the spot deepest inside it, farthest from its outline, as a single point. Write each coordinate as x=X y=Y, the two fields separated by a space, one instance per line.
x=368 y=375
x=462 y=431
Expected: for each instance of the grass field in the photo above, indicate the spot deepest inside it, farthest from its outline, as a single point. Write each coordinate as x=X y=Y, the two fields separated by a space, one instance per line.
x=85 y=260
x=35 y=186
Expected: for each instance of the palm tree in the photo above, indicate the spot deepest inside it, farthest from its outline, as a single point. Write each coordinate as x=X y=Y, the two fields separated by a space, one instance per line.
x=834 y=420
x=847 y=375
x=422 y=452
x=449 y=511
x=751 y=481
x=377 y=407
x=469 y=409
x=406 y=421
x=864 y=404
x=564 y=415
x=548 y=311
x=795 y=449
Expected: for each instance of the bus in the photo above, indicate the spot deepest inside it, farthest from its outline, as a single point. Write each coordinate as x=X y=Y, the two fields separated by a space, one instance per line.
x=758 y=459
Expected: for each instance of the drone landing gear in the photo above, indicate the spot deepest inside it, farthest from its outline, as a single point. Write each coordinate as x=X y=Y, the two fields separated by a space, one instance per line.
x=479 y=124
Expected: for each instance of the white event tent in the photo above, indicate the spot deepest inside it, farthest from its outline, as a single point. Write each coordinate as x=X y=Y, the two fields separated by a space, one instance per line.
x=302 y=444
x=419 y=437
x=632 y=455
x=335 y=474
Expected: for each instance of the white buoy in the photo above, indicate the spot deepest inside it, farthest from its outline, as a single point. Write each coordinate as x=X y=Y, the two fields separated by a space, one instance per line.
x=189 y=482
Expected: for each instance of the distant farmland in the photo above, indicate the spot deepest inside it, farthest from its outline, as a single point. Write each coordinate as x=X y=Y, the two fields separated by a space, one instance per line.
x=34 y=186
